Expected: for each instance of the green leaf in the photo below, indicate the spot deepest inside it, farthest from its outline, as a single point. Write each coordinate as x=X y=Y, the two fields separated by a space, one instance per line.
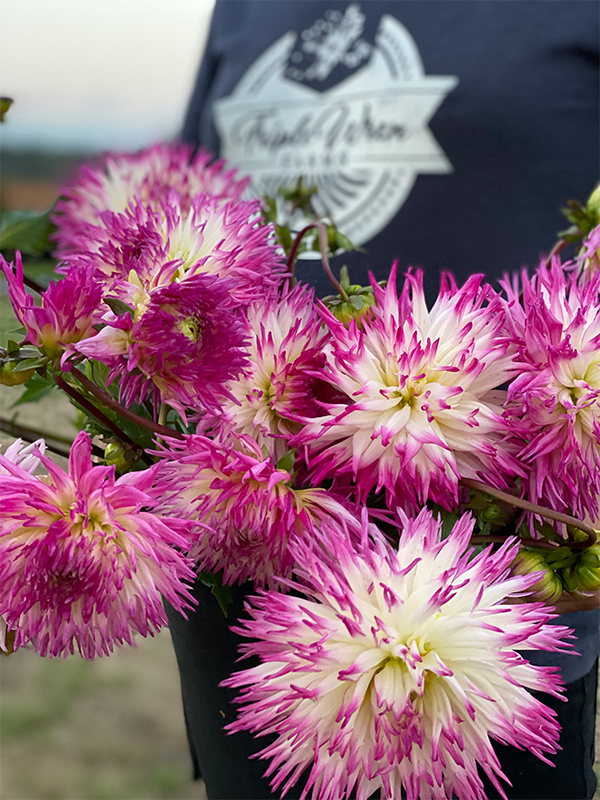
x=287 y=461
x=221 y=592
x=5 y=104
x=356 y=301
x=118 y=307
x=31 y=363
x=343 y=243
x=35 y=388
x=26 y=231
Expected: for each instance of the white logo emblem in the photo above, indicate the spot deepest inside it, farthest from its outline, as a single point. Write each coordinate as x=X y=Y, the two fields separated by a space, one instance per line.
x=363 y=142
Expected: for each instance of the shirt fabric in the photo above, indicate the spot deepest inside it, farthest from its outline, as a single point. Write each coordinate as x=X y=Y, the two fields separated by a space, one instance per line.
x=445 y=134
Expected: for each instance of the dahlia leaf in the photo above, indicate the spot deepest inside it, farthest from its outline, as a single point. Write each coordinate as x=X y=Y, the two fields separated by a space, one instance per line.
x=35 y=388
x=221 y=592
x=26 y=231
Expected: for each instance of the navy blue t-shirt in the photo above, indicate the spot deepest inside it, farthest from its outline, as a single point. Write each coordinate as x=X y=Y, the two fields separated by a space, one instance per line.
x=445 y=134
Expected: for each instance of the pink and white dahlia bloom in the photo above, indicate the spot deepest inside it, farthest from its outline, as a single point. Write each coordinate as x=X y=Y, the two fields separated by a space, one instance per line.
x=187 y=342
x=419 y=412
x=276 y=389
x=555 y=318
x=25 y=456
x=247 y=509
x=148 y=175
x=155 y=245
x=68 y=311
x=83 y=564
x=399 y=669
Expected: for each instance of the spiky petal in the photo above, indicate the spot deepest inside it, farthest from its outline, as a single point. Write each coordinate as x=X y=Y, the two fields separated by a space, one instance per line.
x=398 y=670
x=555 y=318
x=149 y=175
x=418 y=412
x=275 y=390
x=248 y=511
x=25 y=457
x=188 y=342
x=67 y=313
x=82 y=563
x=169 y=242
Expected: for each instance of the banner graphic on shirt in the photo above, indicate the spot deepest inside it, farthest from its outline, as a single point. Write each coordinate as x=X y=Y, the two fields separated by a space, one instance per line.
x=363 y=141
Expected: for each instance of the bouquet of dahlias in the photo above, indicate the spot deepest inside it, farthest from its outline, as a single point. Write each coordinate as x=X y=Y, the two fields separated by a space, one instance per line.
x=405 y=486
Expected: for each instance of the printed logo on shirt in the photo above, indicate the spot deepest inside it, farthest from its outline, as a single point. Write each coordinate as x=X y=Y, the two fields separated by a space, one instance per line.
x=362 y=141
x=328 y=43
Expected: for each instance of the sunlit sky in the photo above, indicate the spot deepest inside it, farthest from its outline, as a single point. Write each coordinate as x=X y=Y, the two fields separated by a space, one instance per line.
x=101 y=74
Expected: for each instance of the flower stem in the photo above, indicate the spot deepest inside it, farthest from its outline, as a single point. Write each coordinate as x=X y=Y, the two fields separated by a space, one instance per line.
x=162 y=414
x=31 y=284
x=541 y=511
x=109 y=401
x=102 y=418
x=291 y=262
x=497 y=537
x=323 y=247
x=30 y=435
x=558 y=248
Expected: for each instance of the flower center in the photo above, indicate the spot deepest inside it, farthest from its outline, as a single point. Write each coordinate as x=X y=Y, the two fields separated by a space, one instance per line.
x=191 y=329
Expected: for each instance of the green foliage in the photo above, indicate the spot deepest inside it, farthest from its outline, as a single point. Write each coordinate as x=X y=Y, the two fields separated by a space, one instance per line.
x=35 y=388
x=584 y=218
x=5 y=104
x=287 y=461
x=26 y=231
x=118 y=307
x=222 y=593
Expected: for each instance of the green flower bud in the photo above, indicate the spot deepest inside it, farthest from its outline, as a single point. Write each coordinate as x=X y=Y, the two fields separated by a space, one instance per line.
x=491 y=513
x=549 y=587
x=570 y=579
x=589 y=578
x=356 y=307
x=119 y=456
x=10 y=376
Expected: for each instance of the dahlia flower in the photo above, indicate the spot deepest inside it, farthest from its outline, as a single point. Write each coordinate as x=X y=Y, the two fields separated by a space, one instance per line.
x=418 y=412
x=248 y=511
x=188 y=342
x=82 y=563
x=398 y=670
x=276 y=388
x=148 y=175
x=555 y=318
x=163 y=243
x=69 y=308
x=26 y=456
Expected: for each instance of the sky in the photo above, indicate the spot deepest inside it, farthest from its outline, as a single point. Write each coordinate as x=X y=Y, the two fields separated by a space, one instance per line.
x=98 y=75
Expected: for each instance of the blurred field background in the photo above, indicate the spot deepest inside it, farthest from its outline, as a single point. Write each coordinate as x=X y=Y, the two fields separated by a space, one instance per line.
x=109 y=729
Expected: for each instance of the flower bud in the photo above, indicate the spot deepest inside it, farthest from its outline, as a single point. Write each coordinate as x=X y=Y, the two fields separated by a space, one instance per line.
x=10 y=376
x=355 y=307
x=491 y=513
x=548 y=587
x=119 y=456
